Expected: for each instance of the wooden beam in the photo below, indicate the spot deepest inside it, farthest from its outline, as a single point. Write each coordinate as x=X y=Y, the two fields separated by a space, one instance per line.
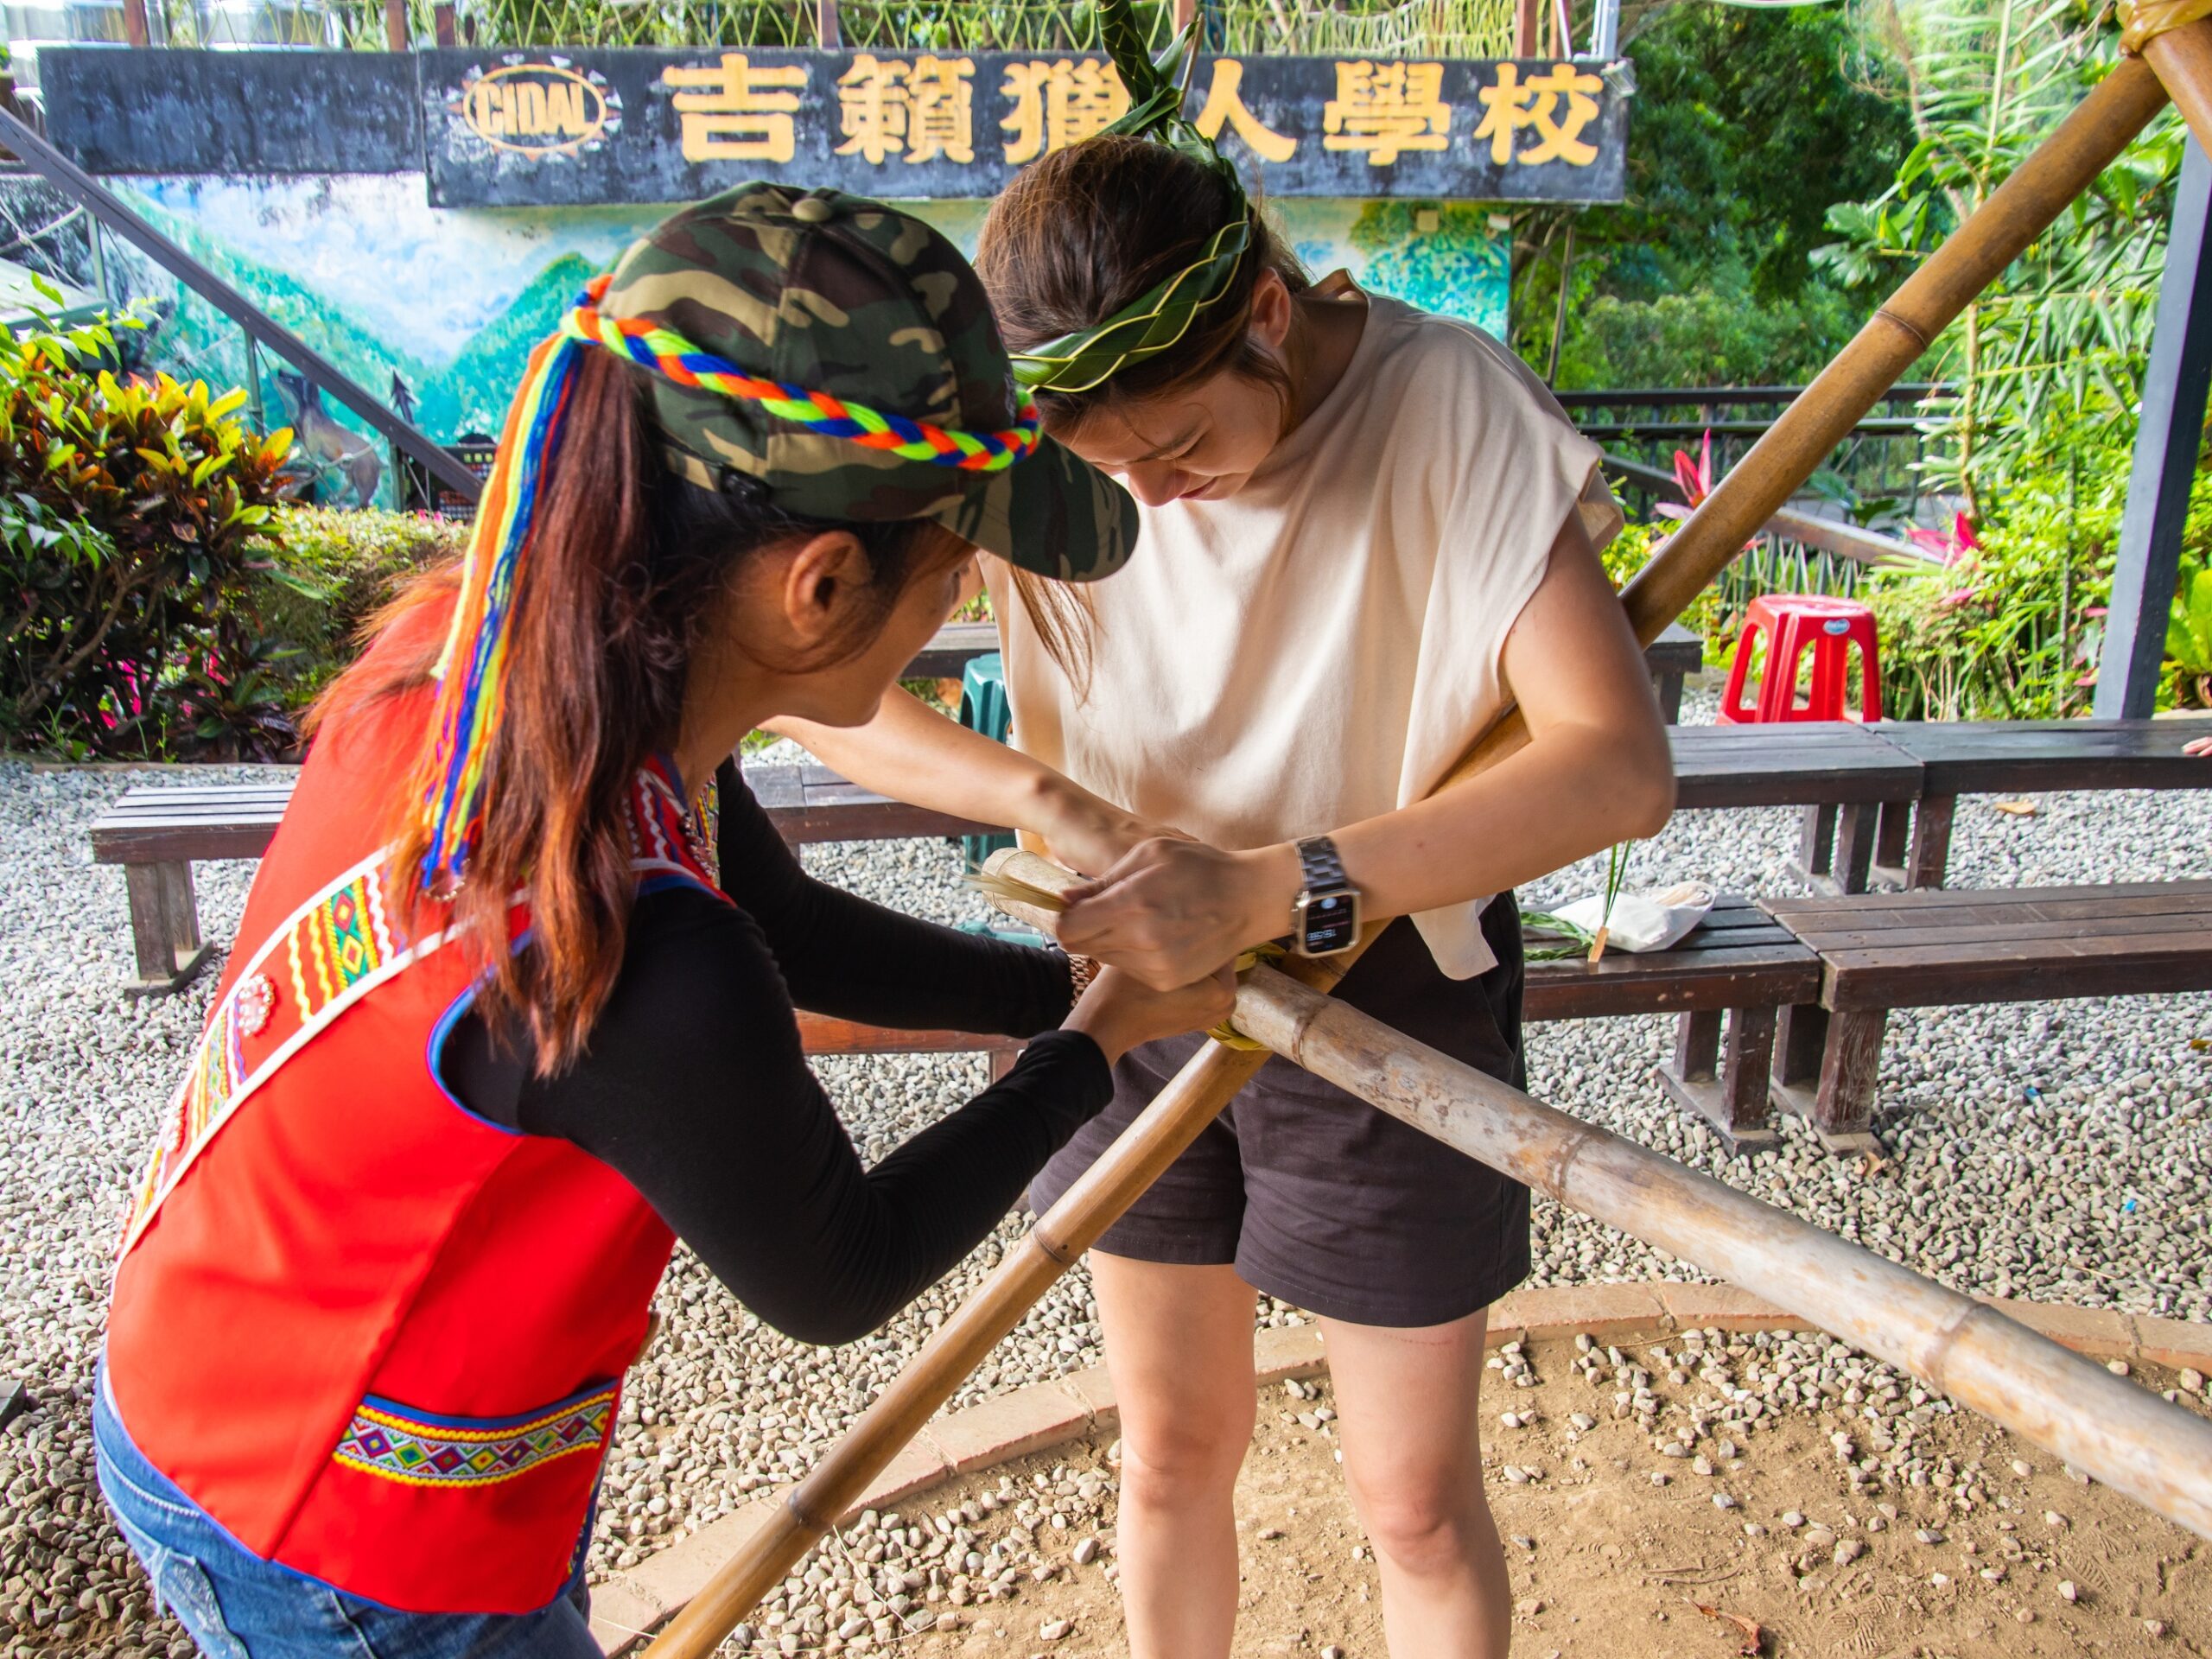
x=135 y=29
x=395 y=25
x=2181 y=59
x=2168 y=435
x=829 y=31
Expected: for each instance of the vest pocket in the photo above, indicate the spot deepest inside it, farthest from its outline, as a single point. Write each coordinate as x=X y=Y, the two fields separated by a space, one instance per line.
x=415 y=1447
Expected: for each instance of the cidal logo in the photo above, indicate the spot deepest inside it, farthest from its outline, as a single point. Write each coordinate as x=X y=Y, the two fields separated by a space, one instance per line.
x=538 y=107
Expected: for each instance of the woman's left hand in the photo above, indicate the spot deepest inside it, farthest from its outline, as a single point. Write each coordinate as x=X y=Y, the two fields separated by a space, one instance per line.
x=1170 y=911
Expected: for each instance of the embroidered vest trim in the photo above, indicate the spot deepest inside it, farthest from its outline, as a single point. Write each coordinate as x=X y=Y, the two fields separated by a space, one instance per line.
x=396 y=1442
x=337 y=948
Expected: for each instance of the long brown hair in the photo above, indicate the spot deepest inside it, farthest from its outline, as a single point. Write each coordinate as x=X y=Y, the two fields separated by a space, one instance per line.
x=625 y=574
x=1078 y=235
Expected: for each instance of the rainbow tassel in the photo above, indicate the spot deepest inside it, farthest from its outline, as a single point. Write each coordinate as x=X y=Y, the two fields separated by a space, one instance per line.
x=472 y=669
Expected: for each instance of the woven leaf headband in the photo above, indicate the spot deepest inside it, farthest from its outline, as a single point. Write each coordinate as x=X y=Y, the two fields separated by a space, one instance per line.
x=1159 y=318
x=472 y=669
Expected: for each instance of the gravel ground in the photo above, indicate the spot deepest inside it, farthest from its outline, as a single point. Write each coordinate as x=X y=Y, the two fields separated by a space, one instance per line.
x=2055 y=1152
x=1805 y=1489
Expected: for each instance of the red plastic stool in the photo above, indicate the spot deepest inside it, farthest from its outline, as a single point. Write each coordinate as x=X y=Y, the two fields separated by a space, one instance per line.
x=1793 y=624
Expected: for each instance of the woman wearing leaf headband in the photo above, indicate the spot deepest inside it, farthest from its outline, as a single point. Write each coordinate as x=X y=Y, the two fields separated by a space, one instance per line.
x=496 y=1032
x=1362 y=523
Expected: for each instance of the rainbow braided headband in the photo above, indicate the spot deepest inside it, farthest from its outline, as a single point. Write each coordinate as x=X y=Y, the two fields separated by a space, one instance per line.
x=1160 y=317
x=472 y=669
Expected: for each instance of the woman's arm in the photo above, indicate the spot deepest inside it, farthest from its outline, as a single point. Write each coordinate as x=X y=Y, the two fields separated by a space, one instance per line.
x=911 y=753
x=843 y=955
x=1595 y=771
x=694 y=1089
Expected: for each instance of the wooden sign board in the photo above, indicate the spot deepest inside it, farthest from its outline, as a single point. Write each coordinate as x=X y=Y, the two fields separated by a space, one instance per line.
x=586 y=127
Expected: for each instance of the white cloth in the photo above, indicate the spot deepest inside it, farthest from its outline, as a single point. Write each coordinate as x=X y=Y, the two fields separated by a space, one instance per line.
x=1323 y=645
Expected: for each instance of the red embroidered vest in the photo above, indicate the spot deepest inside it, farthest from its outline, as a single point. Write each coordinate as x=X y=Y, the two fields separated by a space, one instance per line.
x=377 y=1338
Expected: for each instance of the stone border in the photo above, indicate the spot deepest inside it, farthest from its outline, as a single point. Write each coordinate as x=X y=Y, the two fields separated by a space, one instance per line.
x=1047 y=1415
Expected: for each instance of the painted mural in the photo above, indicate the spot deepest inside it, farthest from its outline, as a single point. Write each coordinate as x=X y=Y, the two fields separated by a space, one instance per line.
x=436 y=309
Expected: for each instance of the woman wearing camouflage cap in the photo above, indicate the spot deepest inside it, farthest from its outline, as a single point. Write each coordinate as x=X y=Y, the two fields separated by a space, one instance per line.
x=498 y=1032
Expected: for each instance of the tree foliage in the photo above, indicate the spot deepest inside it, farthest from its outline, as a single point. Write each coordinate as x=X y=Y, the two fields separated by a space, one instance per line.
x=2067 y=329
x=1747 y=127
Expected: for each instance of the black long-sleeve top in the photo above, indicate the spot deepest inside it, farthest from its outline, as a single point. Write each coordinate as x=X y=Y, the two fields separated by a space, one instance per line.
x=694 y=1088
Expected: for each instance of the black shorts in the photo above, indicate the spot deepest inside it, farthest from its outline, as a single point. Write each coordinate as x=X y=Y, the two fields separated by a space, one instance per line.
x=1313 y=1196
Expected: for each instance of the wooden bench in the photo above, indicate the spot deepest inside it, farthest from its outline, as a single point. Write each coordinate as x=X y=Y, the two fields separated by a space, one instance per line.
x=157 y=834
x=1912 y=841
x=1935 y=948
x=1738 y=962
x=1843 y=775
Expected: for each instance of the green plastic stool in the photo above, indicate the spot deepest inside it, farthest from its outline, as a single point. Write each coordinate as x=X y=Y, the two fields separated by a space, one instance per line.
x=983 y=707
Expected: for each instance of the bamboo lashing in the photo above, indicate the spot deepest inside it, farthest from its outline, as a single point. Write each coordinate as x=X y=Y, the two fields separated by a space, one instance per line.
x=1969 y=259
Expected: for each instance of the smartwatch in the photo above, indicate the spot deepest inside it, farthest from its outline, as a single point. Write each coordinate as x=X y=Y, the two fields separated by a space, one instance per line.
x=1325 y=920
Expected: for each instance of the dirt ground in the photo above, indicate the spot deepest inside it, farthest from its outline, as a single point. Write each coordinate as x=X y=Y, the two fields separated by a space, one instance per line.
x=1605 y=1561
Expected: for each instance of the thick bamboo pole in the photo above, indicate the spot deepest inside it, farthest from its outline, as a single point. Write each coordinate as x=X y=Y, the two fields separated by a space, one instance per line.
x=2181 y=59
x=1778 y=465
x=2118 y=1431
x=1062 y=1234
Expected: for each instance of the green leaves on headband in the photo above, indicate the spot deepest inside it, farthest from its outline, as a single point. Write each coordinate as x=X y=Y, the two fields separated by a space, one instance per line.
x=1085 y=359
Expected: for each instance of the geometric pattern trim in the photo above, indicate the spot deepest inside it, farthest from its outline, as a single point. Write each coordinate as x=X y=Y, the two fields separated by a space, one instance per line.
x=337 y=948
x=342 y=939
x=667 y=835
x=389 y=1441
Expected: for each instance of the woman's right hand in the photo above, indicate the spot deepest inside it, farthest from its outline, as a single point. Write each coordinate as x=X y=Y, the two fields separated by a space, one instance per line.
x=1120 y=1011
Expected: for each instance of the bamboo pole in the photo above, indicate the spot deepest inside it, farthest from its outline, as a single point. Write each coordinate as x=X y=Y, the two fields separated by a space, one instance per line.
x=2118 y=1431
x=2181 y=59
x=2018 y=211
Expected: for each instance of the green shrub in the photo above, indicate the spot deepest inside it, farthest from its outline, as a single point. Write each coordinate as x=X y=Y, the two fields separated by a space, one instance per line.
x=328 y=572
x=129 y=533
x=2189 y=638
x=2013 y=630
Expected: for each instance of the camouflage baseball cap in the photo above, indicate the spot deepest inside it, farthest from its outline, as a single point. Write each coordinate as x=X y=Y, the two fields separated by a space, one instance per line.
x=853 y=299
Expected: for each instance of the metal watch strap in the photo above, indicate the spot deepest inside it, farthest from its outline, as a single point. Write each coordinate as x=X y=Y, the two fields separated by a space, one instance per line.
x=1320 y=867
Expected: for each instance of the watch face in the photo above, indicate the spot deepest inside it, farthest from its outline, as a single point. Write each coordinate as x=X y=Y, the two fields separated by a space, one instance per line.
x=1330 y=923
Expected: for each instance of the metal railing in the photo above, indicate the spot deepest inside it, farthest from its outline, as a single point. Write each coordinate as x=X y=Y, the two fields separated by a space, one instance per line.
x=1647 y=425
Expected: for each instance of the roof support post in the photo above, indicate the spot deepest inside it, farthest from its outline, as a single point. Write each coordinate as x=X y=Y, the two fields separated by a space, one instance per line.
x=2168 y=439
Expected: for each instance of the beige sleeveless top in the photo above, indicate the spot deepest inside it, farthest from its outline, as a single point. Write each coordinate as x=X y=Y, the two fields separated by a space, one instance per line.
x=1323 y=645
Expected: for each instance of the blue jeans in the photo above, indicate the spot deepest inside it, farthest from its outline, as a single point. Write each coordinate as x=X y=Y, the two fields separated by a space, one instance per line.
x=237 y=1606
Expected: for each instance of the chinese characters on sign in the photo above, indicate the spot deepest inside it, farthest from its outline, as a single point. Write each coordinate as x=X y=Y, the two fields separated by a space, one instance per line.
x=918 y=109
x=1385 y=108
x=917 y=125
x=734 y=112
x=1513 y=104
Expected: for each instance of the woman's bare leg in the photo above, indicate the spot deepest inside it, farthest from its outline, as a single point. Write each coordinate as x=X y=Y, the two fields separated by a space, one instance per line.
x=1178 y=1348
x=1410 y=1402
